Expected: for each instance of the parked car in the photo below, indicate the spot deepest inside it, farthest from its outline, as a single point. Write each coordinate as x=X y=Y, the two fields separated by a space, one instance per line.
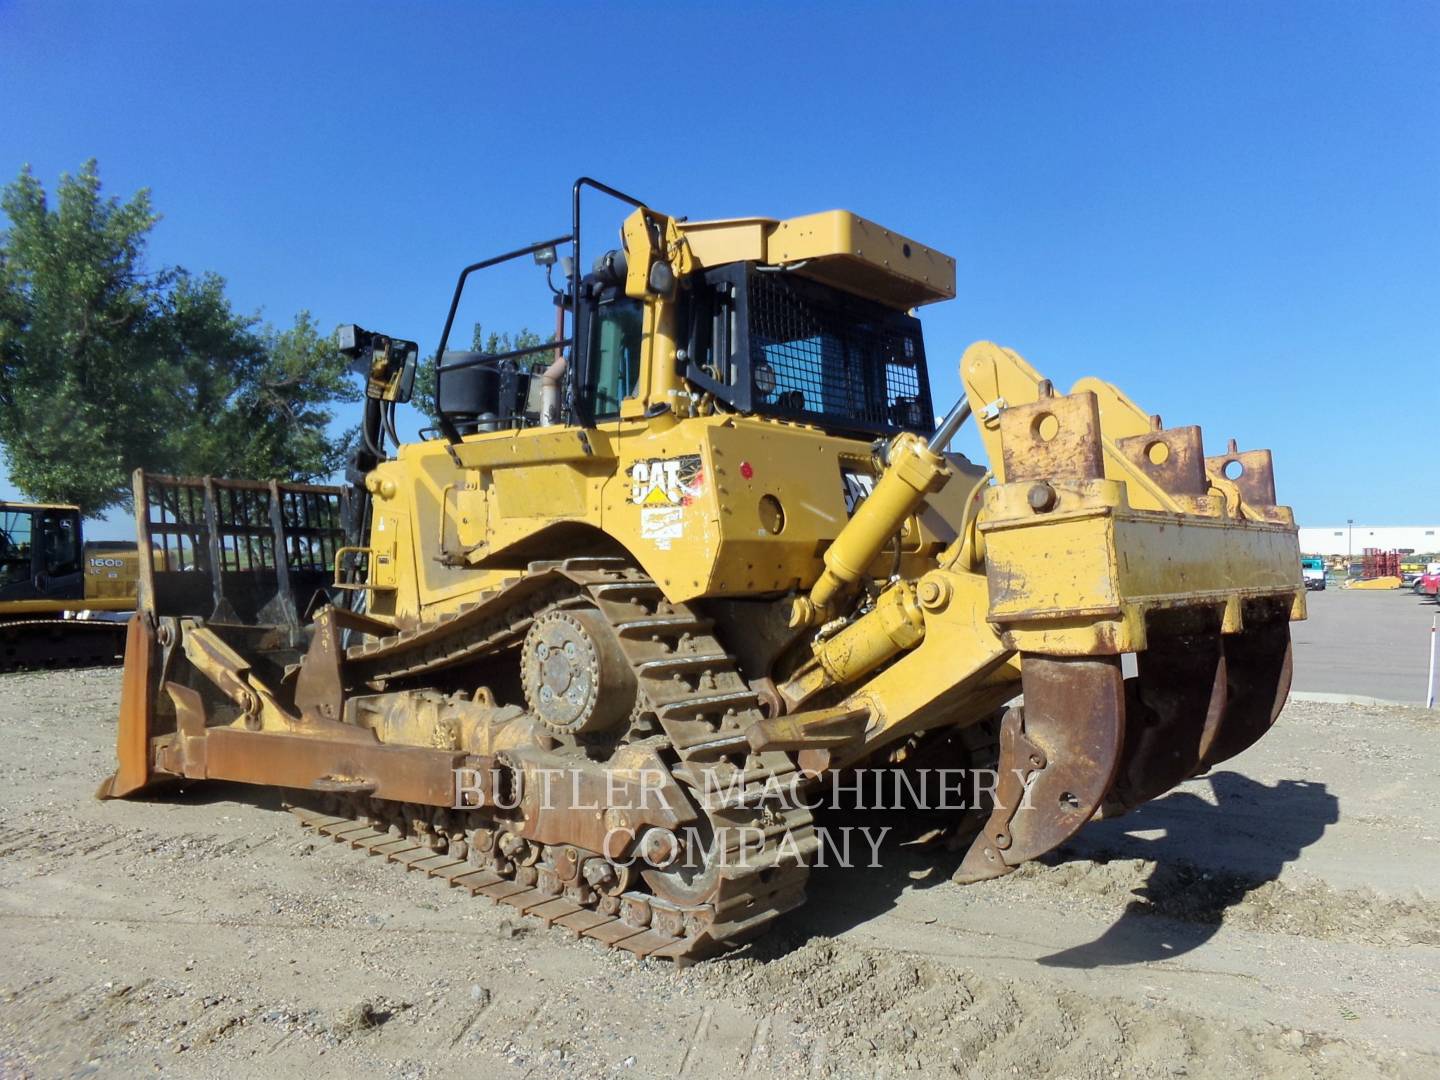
x=1429 y=584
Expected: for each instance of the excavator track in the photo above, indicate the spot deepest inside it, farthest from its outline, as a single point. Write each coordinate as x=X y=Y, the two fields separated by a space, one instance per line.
x=41 y=644
x=691 y=691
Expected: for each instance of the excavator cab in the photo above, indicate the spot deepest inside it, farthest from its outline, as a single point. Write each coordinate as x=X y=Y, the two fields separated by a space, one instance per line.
x=60 y=596
x=17 y=549
x=39 y=553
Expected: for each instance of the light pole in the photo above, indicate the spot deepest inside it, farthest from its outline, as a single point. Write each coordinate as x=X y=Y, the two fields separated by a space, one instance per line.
x=1349 y=542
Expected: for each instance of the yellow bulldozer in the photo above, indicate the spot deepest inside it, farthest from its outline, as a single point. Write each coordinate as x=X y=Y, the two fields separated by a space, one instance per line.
x=64 y=601
x=595 y=646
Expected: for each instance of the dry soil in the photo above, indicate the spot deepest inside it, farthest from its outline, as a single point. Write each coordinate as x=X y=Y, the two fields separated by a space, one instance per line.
x=1279 y=918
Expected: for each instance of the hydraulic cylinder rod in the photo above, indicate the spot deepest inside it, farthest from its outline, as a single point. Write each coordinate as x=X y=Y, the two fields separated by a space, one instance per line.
x=950 y=425
x=914 y=469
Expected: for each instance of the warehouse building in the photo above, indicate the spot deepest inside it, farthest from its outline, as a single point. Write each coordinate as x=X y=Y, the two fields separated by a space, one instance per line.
x=1348 y=539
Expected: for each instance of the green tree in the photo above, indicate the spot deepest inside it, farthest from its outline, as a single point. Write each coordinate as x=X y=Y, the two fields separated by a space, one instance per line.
x=267 y=393
x=106 y=366
x=424 y=395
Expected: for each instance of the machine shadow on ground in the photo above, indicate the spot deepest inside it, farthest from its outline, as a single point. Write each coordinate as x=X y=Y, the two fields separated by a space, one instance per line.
x=1207 y=857
x=211 y=792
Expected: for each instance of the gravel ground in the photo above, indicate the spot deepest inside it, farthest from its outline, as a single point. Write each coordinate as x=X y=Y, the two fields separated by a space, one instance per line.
x=1279 y=918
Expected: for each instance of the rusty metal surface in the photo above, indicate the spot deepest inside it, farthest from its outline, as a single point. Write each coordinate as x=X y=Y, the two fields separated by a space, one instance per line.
x=1173 y=457
x=1055 y=438
x=747 y=875
x=1173 y=706
x=565 y=801
x=137 y=703
x=816 y=729
x=185 y=755
x=1258 y=666
x=642 y=925
x=567 y=658
x=320 y=685
x=1019 y=761
x=222 y=665
x=1256 y=479
x=1066 y=742
x=401 y=773
x=1200 y=698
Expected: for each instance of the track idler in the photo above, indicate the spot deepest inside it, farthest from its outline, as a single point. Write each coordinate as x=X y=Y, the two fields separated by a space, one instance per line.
x=1058 y=757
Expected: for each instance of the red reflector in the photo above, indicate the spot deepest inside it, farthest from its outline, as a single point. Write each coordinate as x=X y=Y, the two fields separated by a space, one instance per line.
x=746 y=470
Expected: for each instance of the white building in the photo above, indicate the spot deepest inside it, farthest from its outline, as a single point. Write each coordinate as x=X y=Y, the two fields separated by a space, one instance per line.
x=1345 y=539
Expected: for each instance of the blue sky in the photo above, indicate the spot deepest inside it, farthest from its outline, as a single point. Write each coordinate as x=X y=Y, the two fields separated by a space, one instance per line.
x=1232 y=210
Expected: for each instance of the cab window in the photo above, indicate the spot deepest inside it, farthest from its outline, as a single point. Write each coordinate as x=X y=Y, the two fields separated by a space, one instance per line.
x=615 y=336
x=15 y=546
x=61 y=552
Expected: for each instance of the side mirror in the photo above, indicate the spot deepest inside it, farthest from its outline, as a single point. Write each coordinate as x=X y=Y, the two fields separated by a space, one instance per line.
x=388 y=364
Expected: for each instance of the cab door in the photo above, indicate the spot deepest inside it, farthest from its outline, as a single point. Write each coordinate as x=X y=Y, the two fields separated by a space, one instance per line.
x=19 y=564
x=60 y=573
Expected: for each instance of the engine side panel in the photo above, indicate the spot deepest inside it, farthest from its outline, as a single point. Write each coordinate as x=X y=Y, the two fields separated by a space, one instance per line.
x=712 y=506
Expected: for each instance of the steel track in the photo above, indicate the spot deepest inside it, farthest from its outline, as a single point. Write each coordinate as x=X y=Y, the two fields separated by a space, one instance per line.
x=691 y=690
x=43 y=644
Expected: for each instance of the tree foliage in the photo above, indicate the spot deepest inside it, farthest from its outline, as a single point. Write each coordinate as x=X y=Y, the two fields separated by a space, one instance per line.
x=424 y=396
x=106 y=366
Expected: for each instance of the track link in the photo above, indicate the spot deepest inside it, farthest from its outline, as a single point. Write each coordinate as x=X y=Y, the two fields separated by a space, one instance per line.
x=690 y=689
x=635 y=924
x=42 y=644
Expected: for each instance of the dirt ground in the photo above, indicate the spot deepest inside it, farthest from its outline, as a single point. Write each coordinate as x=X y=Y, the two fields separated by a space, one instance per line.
x=1279 y=918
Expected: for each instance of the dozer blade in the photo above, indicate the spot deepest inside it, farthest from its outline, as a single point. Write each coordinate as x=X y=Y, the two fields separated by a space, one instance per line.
x=1058 y=756
x=244 y=560
x=137 y=703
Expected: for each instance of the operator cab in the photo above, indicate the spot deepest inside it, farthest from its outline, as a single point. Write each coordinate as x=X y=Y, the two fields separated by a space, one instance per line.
x=756 y=339
x=40 y=553
x=807 y=319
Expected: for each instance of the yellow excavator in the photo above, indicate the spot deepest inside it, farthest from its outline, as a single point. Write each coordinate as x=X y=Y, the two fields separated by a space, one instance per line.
x=64 y=602
x=598 y=646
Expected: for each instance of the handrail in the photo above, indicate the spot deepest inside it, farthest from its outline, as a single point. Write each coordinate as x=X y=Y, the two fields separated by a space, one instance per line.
x=495 y=358
x=484 y=264
x=447 y=428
